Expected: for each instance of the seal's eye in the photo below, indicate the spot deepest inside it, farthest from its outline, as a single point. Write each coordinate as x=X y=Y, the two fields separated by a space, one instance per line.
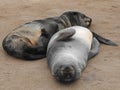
x=82 y=15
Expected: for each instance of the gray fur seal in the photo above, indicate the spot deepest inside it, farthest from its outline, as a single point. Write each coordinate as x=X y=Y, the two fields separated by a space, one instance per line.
x=68 y=52
x=29 y=41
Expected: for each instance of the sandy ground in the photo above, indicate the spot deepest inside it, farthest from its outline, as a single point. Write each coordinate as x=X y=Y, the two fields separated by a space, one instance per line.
x=102 y=72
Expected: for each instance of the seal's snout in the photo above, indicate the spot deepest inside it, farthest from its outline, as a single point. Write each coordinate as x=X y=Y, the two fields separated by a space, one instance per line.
x=66 y=73
x=88 y=21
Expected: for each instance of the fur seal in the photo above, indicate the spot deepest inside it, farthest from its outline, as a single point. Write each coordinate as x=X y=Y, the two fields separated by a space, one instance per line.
x=29 y=41
x=68 y=52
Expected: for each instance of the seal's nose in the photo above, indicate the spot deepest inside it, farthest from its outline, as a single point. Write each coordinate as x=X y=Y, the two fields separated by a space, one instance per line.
x=67 y=72
x=88 y=21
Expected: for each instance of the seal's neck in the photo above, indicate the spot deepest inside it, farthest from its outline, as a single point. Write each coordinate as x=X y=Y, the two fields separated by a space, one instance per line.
x=65 y=21
x=69 y=21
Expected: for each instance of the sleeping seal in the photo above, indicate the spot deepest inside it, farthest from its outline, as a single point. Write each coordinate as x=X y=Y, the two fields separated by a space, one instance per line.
x=68 y=52
x=29 y=41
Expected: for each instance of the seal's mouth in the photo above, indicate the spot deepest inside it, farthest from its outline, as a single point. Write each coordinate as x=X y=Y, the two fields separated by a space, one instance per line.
x=65 y=74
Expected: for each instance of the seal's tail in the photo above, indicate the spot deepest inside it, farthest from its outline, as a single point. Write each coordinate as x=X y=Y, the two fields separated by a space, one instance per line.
x=104 y=40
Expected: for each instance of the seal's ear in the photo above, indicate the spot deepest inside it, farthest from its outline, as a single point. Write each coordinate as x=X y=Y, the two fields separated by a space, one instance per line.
x=65 y=34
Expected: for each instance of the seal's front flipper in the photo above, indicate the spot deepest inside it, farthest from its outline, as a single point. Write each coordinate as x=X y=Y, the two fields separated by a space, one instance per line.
x=104 y=40
x=29 y=56
x=94 y=48
x=65 y=34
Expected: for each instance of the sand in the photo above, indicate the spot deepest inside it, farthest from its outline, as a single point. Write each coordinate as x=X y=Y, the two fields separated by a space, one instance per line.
x=101 y=73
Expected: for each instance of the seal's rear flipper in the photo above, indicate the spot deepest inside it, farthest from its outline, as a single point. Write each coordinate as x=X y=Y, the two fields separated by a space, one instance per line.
x=94 y=48
x=104 y=40
x=65 y=34
x=28 y=56
x=34 y=52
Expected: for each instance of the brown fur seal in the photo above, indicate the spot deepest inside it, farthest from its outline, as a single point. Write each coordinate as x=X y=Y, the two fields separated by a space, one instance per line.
x=29 y=41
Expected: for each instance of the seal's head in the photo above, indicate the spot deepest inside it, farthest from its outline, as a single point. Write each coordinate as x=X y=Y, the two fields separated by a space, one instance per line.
x=77 y=18
x=65 y=70
x=65 y=73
